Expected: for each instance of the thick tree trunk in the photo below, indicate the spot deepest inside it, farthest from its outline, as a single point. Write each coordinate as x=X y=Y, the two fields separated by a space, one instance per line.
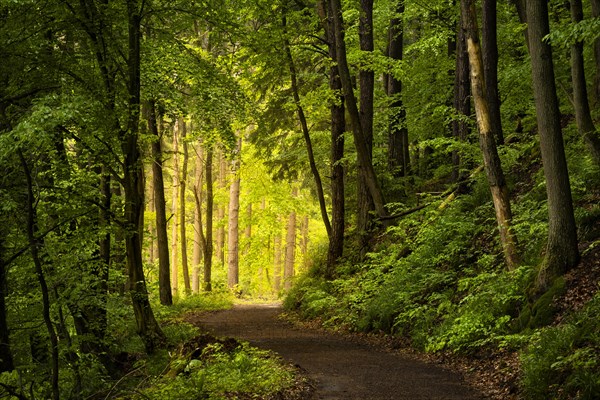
x=462 y=102
x=338 y=127
x=360 y=142
x=561 y=251
x=398 y=156
x=6 y=358
x=585 y=123
x=366 y=79
x=182 y=213
x=208 y=242
x=306 y=133
x=491 y=160
x=234 y=209
x=174 y=219
x=489 y=53
x=596 y=90
x=147 y=327
x=164 y=273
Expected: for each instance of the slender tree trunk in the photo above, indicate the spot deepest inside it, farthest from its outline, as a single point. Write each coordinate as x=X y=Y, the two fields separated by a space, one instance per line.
x=489 y=53
x=398 y=156
x=34 y=247
x=147 y=327
x=152 y=210
x=304 y=241
x=174 y=204
x=6 y=358
x=306 y=133
x=182 y=213
x=338 y=127
x=462 y=102
x=596 y=90
x=561 y=251
x=199 y=241
x=585 y=123
x=164 y=273
x=360 y=142
x=290 y=248
x=277 y=263
x=491 y=160
x=248 y=229
x=208 y=243
x=220 y=240
x=234 y=209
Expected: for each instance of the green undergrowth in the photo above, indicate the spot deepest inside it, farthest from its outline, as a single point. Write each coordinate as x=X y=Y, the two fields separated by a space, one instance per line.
x=438 y=281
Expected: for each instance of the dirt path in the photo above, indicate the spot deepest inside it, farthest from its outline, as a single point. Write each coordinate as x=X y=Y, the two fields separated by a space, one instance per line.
x=340 y=368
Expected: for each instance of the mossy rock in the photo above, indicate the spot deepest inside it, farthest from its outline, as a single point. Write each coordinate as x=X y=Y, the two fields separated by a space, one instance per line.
x=542 y=311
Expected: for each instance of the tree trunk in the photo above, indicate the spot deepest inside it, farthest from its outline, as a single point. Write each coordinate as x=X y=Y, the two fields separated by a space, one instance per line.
x=174 y=204
x=147 y=327
x=462 y=102
x=290 y=248
x=561 y=251
x=489 y=53
x=34 y=246
x=182 y=214
x=220 y=240
x=6 y=359
x=304 y=241
x=596 y=91
x=306 y=133
x=234 y=209
x=338 y=127
x=366 y=78
x=585 y=123
x=199 y=241
x=491 y=160
x=248 y=229
x=360 y=141
x=398 y=156
x=152 y=209
x=208 y=242
x=164 y=273
x=277 y=263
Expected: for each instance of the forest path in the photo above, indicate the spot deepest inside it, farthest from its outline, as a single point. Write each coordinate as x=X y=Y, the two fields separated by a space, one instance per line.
x=339 y=368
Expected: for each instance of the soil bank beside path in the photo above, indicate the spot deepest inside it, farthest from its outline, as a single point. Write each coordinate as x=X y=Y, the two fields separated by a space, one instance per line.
x=338 y=367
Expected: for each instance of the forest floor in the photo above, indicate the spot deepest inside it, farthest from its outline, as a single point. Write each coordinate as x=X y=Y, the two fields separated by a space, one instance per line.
x=338 y=366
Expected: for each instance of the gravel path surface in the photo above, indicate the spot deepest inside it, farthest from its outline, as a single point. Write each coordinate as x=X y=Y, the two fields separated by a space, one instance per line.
x=339 y=368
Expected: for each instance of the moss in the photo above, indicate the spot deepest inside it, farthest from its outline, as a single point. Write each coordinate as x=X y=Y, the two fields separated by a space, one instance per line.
x=541 y=312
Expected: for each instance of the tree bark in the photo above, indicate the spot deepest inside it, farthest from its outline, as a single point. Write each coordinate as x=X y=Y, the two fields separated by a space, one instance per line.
x=366 y=79
x=164 y=272
x=305 y=132
x=290 y=248
x=489 y=53
x=491 y=160
x=338 y=127
x=596 y=91
x=182 y=213
x=561 y=251
x=208 y=242
x=174 y=219
x=398 y=155
x=277 y=263
x=462 y=102
x=220 y=240
x=583 y=116
x=34 y=247
x=360 y=142
x=147 y=326
x=199 y=240
x=234 y=209
x=304 y=241
x=6 y=358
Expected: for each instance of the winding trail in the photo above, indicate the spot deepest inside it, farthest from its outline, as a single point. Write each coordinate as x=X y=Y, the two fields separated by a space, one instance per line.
x=339 y=368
